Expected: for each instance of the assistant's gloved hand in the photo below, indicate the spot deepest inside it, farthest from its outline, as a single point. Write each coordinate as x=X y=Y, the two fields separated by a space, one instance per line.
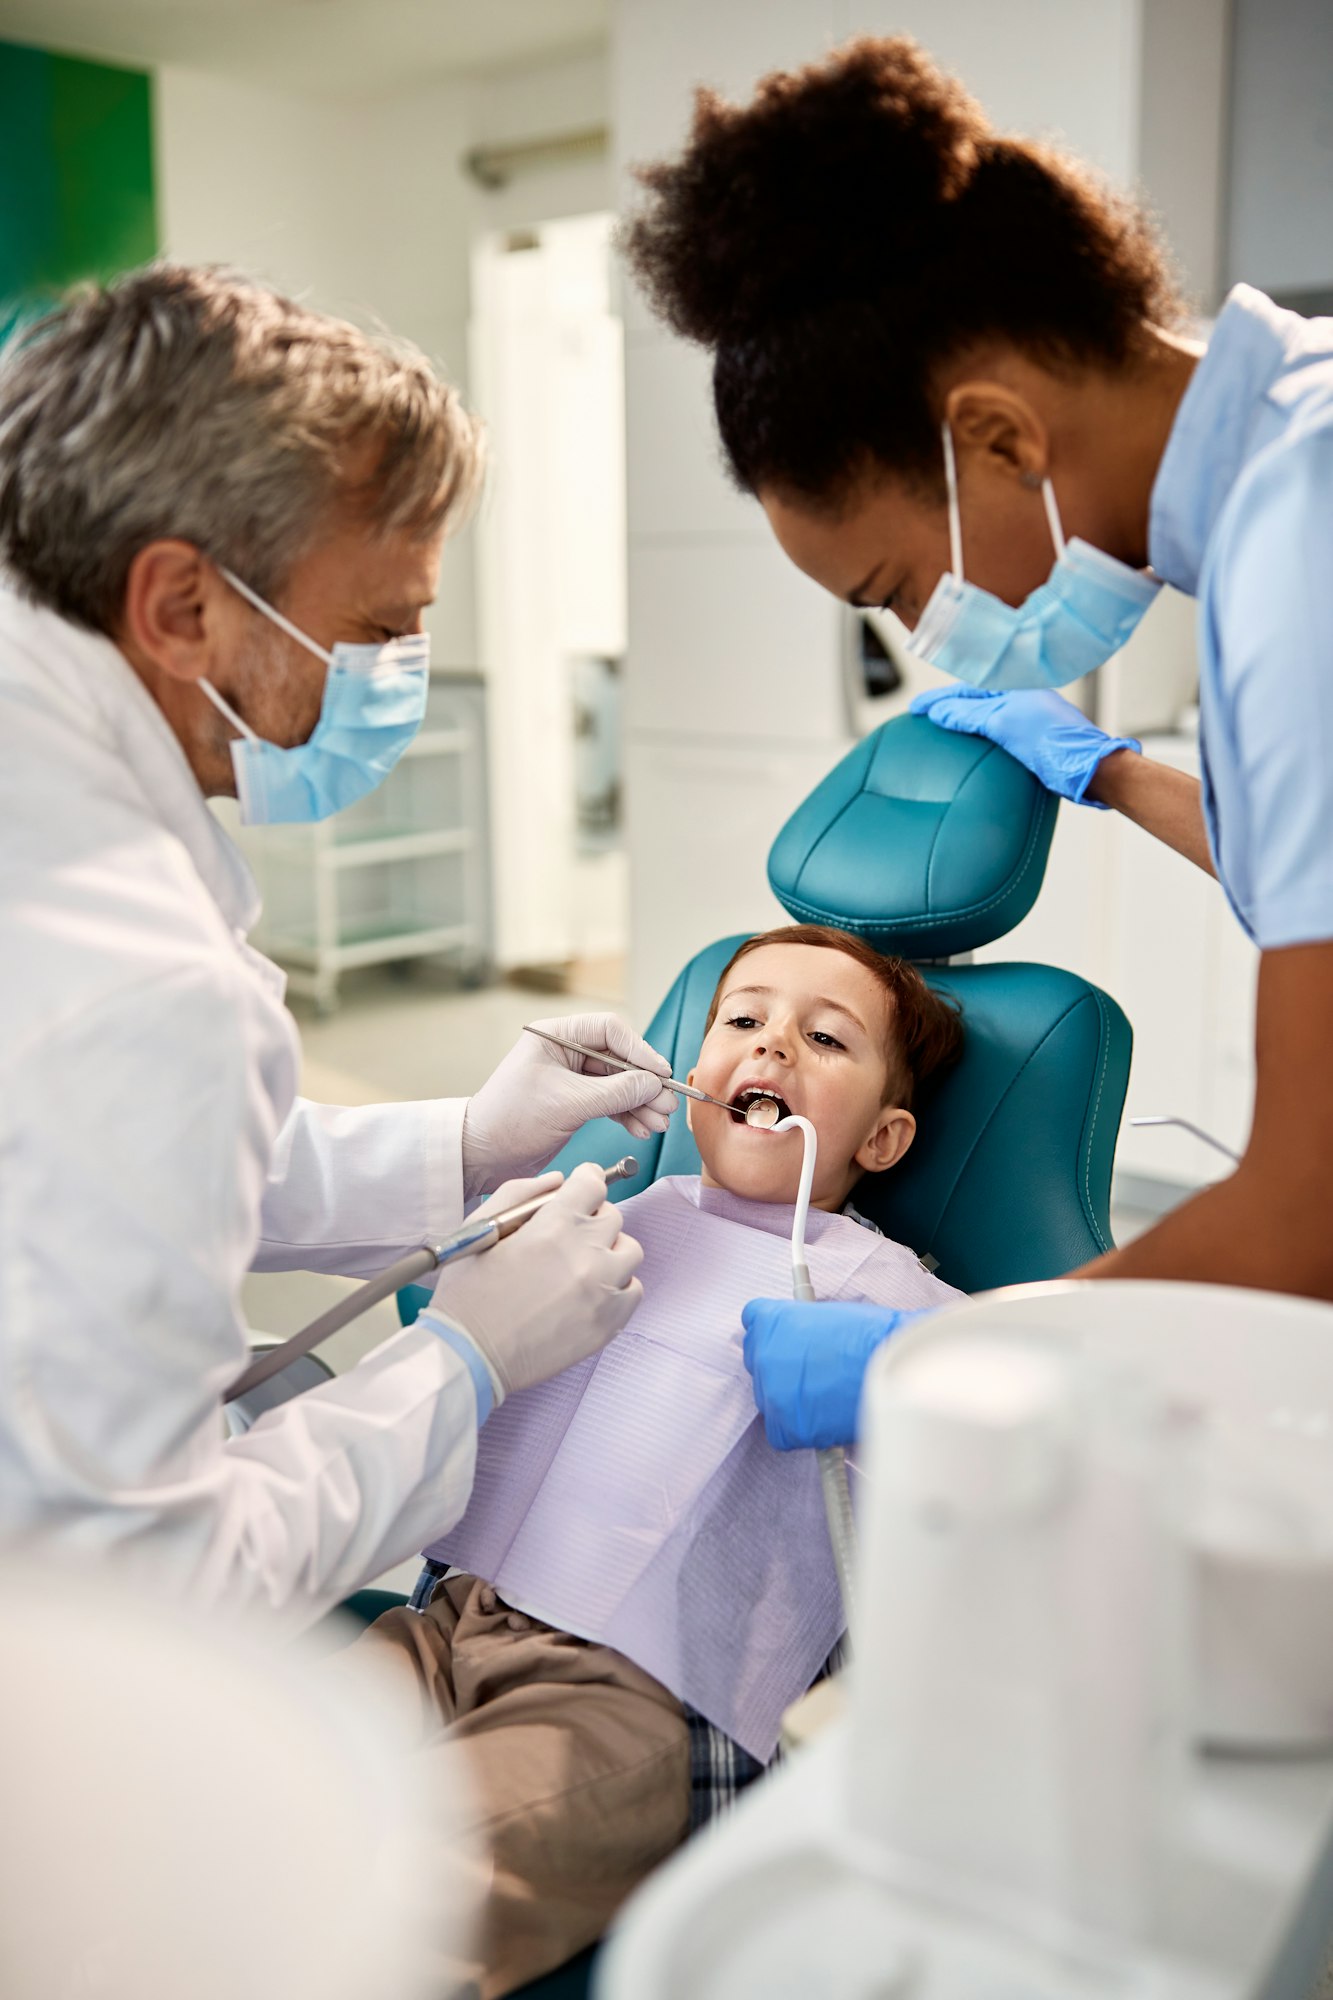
x=551 y=1294
x=540 y=1095
x=1046 y=733
x=808 y=1362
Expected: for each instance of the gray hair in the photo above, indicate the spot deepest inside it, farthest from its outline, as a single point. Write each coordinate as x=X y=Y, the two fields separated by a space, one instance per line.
x=194 y=402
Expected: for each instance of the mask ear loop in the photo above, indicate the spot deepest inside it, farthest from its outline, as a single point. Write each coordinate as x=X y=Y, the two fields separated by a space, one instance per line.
x=225 y=708
x=285 y=624
x=1053 y=516
x=955 y=516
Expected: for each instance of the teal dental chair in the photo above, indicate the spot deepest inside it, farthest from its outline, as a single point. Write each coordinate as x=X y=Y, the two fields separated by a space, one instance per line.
x=930 y=845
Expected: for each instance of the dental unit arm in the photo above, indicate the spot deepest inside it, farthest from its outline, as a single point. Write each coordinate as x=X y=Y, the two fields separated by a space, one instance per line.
x=481 y=1232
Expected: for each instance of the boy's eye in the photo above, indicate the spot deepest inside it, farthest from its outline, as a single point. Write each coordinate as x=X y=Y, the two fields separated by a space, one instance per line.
x=824 y=1040
x=742 y=1021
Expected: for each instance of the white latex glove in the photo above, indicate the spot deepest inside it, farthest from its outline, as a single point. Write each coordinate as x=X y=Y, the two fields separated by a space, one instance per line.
x=551 y=1294
x=540 y=1095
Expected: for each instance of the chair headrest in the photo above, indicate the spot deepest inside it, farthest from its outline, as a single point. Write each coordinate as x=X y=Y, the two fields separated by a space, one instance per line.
x=924 y=842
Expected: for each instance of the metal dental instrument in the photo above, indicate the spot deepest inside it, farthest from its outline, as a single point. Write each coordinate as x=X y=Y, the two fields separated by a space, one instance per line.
x=1197 y=1131
x=619 y=1062
x=483 y=1232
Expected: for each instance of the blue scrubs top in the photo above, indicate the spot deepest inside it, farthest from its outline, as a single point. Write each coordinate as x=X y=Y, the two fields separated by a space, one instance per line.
x=1242 y=519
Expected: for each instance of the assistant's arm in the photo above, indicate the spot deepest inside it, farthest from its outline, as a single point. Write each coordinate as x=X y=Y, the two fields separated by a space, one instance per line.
x=1166 y=803
x=1269 y=599
x=1266 y=1225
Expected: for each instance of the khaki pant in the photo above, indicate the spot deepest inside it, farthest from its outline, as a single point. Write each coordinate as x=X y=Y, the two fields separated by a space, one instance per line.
x=578 y=1762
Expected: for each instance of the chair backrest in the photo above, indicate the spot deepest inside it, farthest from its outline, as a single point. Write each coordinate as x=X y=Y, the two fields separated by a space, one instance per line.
x=927 y=844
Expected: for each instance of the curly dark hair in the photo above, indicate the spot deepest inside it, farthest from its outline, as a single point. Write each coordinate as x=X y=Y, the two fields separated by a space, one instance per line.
x=859 y=222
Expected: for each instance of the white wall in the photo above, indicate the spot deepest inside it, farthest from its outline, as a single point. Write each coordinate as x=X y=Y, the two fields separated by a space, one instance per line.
x=572 y=95
x=547 y=364
x=361 y=206
x=1280 y=234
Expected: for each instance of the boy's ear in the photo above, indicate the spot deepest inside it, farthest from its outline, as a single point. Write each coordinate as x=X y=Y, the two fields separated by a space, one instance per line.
x=894 y=1132
x=689 y=1106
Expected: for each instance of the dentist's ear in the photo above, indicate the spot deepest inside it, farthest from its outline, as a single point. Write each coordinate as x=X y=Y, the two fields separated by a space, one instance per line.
x=894 y=1132
x=177 y=611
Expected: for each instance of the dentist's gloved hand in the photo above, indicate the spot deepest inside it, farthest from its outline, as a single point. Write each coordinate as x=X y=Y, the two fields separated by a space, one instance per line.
x=551 y=1294
x=540 y=1095
x=1043 y=731
x=809 y=1362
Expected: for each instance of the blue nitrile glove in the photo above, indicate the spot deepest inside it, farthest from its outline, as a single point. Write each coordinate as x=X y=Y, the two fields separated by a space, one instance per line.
x=1046 y=733
x=808 y=1362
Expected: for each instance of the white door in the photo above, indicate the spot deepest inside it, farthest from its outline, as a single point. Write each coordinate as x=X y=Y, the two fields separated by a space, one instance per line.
x=548 y=374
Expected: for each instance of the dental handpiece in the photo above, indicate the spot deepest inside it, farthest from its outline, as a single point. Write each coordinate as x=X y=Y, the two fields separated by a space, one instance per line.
x=483 y=1232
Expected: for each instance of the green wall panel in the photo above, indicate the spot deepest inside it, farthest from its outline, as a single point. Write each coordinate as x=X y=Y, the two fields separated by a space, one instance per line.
x=76 y=173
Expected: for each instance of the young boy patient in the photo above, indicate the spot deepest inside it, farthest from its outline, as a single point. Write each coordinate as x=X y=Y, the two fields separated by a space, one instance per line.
x=635 y=1501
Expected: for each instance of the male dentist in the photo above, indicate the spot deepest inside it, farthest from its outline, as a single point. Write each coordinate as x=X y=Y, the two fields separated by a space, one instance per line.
x=221 y=518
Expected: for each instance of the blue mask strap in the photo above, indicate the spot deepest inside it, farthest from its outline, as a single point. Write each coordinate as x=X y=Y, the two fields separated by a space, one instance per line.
x=292 y=631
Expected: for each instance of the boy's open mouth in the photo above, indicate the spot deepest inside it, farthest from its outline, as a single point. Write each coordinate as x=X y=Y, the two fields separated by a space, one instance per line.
x=756 y=1094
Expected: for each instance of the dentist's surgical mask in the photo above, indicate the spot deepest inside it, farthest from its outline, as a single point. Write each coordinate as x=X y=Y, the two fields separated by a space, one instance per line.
x=1071 y=624
x=374 y=699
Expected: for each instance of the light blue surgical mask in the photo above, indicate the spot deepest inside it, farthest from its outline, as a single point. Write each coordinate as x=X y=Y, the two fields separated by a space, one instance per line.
x=1071 y=624
x=374 y=699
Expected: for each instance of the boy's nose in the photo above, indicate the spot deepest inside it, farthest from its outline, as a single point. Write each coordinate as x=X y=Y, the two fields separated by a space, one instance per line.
x=773 y=1045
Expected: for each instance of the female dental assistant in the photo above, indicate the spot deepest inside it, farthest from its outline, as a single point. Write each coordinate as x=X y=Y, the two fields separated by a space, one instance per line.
x=948 y=365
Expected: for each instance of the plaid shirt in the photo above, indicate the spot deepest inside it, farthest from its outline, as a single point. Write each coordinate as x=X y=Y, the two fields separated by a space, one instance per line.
x=719 y=1769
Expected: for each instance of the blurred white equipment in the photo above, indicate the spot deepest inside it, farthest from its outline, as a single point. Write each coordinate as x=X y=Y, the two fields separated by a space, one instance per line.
x=192 y=1811
x=1089 y=1741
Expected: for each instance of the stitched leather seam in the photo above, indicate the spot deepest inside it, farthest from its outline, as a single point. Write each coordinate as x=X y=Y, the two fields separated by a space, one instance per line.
x=811 y=852
x=1104 y=1021
x=1009 y=1088
x=935 y=838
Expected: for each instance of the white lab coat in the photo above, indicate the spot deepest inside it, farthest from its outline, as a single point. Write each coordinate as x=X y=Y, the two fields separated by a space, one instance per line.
x=152 y=1151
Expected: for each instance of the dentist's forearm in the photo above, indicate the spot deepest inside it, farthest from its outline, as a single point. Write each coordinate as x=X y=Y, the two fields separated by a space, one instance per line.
x=1165 y=803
